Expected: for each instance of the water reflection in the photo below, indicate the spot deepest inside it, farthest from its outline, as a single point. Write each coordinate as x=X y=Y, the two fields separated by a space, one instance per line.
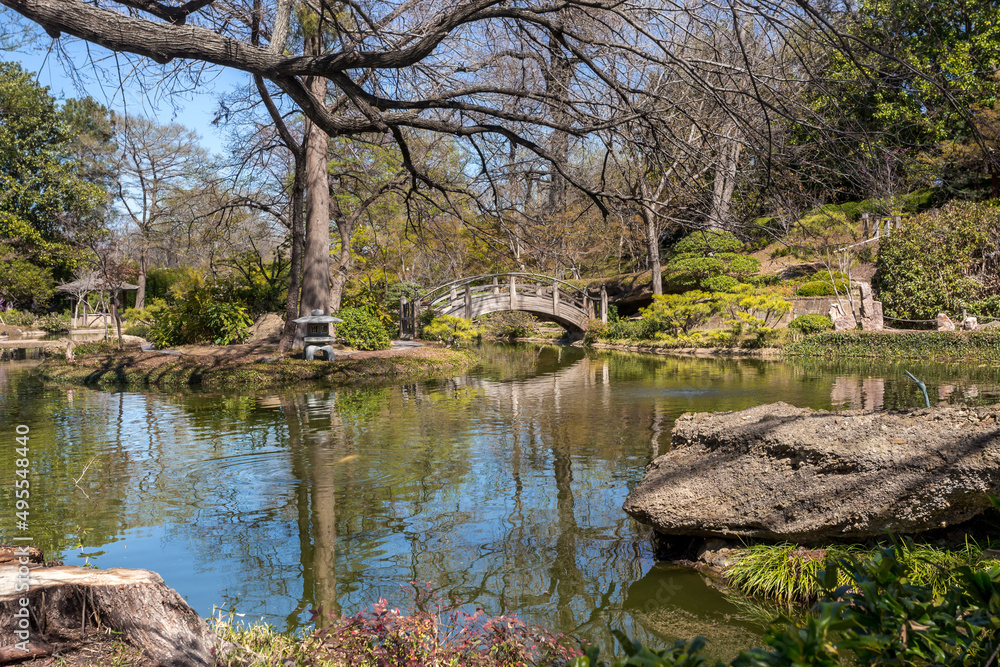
x=502 y=488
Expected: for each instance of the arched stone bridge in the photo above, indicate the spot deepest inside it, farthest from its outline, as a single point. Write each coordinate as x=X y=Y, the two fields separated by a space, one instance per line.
x=546 y=297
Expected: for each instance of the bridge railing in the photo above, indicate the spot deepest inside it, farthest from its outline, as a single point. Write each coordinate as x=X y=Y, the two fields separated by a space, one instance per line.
x=513 y=284
x=521 y=283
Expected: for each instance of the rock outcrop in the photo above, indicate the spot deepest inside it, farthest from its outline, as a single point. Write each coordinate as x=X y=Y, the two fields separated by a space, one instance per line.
x=871 y=310
x=786 y=473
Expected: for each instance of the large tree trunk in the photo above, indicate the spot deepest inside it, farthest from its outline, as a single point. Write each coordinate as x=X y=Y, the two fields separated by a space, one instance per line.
x=557 y=81
x=653 y=244
x=140 y=295
x=316 y=253
x=118 y=319
x=345 y=229
x=288 y=333
x=725 y=181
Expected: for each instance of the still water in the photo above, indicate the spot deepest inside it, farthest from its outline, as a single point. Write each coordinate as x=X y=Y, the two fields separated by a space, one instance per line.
x=501 y=488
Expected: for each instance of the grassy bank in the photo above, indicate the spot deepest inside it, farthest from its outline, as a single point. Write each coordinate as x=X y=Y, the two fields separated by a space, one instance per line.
x=929 y=345
x=135 y=368
x=788 y=572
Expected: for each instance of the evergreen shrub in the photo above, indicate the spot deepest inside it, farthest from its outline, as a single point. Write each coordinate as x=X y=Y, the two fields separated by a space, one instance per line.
x=705 y=255
x=675 y=313
x=198 y=314
x=809 y=324
x=53 y=323
x=362 y=330
x=815 y=288
x=18 y=318
x=942 y=261
x=451 y=330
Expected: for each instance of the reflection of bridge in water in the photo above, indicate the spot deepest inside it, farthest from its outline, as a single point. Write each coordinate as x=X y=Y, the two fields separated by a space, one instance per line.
x=548 y=298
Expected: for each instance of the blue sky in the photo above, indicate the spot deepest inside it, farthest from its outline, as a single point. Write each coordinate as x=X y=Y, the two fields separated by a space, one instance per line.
x=194 y=109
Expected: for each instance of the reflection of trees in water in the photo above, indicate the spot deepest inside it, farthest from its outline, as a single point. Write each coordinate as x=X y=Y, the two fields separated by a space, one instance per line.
x=313 y=459
x=507 y=493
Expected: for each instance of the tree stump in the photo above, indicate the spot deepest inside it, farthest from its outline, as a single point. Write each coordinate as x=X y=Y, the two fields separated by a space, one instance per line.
x=137 y=603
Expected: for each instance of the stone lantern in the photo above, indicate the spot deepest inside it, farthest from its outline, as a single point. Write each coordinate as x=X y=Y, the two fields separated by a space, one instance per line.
x=318 y=335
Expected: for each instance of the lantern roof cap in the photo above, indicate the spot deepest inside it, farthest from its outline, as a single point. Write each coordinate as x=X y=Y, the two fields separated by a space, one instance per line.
x=317 y=317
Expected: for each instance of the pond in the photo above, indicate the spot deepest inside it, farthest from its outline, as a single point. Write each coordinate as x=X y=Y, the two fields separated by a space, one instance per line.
x=500 y=488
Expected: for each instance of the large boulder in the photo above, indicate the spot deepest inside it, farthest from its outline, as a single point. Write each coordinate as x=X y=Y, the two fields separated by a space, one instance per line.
x=785 y=473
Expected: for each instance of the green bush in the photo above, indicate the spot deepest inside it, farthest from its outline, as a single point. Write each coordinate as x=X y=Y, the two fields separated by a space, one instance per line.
x=159 y=282
x=362 y=330
x=508 y=324
x=809 y=324
x=815 y=288
x=708 y=242
x=753 y=312
x=702 y=256
x=147 y=314
x=18 y=318
x=198 y=314
x=641 y=329
x=228 y=322
x=767 y=280
x=140 y=330
x=719 y=284
x=942 y=261
x=53 y=323
x=822 y=283
x=450 y=330
x=674 y=313
x=787 y=572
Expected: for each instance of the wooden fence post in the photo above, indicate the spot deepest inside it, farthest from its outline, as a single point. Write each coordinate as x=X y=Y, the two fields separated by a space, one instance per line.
x=604 y=304
x=555 y=299
x=468 y=301
x=513 y=293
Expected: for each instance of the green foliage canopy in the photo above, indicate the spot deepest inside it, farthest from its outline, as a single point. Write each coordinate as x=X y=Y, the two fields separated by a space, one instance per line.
x=52 y=202
x=47 y=200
